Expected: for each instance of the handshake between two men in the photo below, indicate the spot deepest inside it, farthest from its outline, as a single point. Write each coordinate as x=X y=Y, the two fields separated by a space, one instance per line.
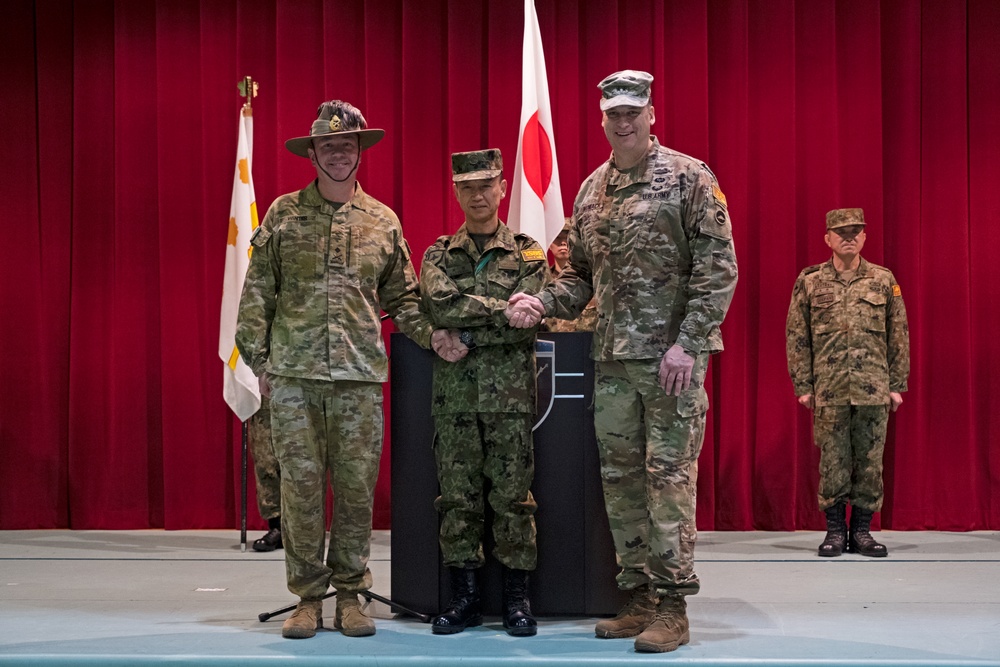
x=525 y=311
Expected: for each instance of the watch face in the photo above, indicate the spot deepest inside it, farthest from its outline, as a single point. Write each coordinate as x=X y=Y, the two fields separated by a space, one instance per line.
x=466 y=338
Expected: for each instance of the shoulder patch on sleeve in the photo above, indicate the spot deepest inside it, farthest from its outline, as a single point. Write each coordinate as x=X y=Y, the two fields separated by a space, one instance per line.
x=260 y=236
x=896 y=291
x=533 y=255
x=718 y=194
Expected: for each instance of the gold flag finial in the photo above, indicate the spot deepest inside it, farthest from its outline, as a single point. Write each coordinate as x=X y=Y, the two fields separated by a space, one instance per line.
x=248 y=89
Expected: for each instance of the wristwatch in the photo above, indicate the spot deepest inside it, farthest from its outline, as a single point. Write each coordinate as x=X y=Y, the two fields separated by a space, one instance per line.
x=465 y=338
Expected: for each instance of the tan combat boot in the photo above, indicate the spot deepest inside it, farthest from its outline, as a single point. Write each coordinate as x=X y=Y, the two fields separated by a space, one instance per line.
x=669 y=628
x=637 y=613
x=349 y=619
x=304 y=621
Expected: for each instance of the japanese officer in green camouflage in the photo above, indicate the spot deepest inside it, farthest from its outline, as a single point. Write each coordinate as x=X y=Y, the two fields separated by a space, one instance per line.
x=483 y=405
x=325 y=261
x=651 y=240
x=849 y=358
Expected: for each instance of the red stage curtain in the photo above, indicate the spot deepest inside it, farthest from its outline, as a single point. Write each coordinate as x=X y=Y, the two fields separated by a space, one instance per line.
x=119 y=132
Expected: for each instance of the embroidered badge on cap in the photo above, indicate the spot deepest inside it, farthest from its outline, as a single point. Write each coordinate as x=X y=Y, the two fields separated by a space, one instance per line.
x=896 y=291
x=719 y=195
x=533 y=255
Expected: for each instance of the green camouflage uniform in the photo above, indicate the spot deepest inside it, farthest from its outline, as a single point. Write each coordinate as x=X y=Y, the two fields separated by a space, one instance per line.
x=483 y=404
x=654 y=246
x=848 y=345
x=309 y=317
x=267 y=472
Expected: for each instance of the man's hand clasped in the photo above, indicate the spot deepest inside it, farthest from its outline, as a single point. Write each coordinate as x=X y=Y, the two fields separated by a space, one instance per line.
x=446 y=345
x=524 y=311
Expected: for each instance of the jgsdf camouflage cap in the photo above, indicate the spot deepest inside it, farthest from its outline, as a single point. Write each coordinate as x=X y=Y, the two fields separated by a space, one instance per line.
x=476 y=165
x=626 y=88
x=336 y=117
x=844 y=217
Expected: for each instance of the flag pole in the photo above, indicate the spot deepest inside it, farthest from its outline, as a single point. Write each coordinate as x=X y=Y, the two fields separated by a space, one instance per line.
x=248 y=90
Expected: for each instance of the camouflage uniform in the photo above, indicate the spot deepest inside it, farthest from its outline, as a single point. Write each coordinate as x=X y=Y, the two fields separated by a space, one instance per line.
x=653 y=245
x=267 y=472
x=848 y=345
x=483 y=404
x=309 y=317
x=585 y=322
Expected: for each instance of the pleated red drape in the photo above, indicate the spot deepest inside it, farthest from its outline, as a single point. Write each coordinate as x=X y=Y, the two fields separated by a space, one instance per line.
x=118 y=134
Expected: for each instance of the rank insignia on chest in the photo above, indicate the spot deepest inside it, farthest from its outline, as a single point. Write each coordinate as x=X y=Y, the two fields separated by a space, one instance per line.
x=896 y=291
x=533 y=255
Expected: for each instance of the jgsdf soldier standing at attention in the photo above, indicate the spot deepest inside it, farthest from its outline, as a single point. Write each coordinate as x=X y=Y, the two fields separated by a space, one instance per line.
x=849 y=357
x=326 y=260
x=652 y=241
x=483 y=405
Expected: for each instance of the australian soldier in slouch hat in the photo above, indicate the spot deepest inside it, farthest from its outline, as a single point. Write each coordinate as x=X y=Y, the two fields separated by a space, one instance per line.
x=848 y=351
x=483 y=404
x=326 y=260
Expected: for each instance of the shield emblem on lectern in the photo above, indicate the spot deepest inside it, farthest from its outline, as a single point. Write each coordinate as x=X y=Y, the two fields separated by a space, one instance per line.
x=545 y=380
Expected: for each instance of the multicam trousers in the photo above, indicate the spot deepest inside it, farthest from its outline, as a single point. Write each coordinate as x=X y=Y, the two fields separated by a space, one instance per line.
x=649 y=443
x=851 y=439
x=469 y=449
x=321 y=427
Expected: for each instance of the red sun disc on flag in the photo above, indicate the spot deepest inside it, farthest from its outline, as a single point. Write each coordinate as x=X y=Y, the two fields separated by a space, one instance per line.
x=536 y=156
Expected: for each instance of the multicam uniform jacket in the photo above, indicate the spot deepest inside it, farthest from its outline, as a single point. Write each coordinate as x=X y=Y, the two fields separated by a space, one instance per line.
x=585 y=322
x=847 y=342
x=462 y=288
x=654 y=246
x=317 y=281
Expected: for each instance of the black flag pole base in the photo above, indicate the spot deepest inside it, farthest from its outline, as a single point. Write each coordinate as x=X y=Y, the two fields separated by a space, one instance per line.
x=367 y=595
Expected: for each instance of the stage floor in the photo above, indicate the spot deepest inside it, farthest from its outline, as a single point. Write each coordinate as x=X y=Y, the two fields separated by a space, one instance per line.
x=192 y=597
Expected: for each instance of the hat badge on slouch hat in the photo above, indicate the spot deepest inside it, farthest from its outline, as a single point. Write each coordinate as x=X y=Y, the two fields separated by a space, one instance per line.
x=333 y=118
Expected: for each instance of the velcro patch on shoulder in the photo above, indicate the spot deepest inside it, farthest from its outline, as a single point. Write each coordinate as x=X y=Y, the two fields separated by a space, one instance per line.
x=260 y=236
x=533 y=255
x=718 y=194
x=896 y=291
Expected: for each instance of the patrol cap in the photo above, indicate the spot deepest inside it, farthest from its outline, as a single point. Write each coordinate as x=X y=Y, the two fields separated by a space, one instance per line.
x=626 y=88
x=844 y=217
x=476 y=165
x=332 y=118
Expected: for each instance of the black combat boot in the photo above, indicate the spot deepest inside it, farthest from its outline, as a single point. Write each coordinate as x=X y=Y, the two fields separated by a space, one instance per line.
x=517 y=618
x=464 y=610
x=836 y=530
x=272 y=538
x=861 y=541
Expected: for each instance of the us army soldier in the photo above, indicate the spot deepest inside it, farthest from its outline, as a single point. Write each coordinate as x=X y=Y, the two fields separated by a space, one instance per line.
x=483 y=404
x=652 y=241
x=848 y=351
